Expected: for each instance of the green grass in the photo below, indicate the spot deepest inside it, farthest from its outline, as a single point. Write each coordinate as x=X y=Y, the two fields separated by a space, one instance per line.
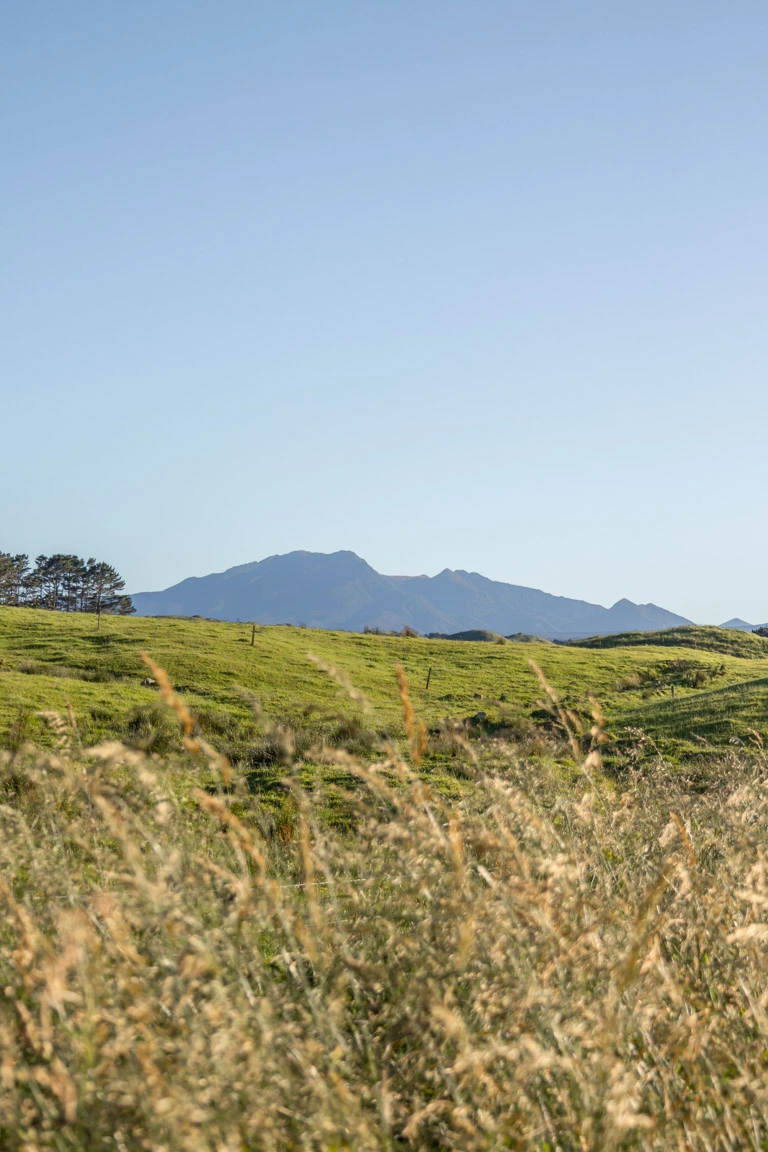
x=699 y=722
x=735 y=714
x=729 y=641
x=51 y=660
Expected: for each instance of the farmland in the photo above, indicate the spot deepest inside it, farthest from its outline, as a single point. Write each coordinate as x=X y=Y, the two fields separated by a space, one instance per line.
x=704 y=691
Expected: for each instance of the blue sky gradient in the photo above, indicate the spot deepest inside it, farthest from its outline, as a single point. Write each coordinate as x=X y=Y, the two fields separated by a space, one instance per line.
x=466 y=285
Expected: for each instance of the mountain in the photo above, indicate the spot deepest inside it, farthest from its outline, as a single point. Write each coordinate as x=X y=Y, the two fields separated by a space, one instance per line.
x=741 y=625
x=341 y=591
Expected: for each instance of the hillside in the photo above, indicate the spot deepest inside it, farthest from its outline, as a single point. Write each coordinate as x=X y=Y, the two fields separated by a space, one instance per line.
x=52 y=660
x=732 y=715
x=730 y=641
x=341 y=591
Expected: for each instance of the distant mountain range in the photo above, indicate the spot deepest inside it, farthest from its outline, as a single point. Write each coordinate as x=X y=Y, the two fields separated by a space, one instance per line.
x=341 y=591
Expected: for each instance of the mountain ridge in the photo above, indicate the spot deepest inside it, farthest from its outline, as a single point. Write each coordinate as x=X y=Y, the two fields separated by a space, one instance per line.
x=341 y=591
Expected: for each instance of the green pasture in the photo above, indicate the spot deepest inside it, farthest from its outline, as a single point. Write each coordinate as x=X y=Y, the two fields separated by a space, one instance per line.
x=736 y=715
x=727 y=641
x=50 y=660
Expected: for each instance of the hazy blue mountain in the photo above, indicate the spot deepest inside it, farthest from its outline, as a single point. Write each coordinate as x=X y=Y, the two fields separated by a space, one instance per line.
x=741 y=625
x=341 y=591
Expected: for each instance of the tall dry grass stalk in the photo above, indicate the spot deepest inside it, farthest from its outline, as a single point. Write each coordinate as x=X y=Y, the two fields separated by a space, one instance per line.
x=529 y=967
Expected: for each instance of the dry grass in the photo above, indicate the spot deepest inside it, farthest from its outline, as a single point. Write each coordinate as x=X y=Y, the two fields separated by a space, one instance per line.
x=549 y=963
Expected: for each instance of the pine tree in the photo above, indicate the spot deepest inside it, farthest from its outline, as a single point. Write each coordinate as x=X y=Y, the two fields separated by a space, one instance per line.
x=104 y=590
x=54 y=581
x=36 y=584
x=72 y=573
x=13 y=570
x=63 y=583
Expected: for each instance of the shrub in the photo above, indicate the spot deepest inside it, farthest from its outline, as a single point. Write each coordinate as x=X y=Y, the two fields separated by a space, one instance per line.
x=151 y=728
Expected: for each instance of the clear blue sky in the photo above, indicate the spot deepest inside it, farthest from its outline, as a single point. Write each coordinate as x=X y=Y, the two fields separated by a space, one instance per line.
x=451 y=284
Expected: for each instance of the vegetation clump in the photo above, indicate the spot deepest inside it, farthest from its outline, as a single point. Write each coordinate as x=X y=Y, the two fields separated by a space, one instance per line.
x=670 y=674
x=548 y=960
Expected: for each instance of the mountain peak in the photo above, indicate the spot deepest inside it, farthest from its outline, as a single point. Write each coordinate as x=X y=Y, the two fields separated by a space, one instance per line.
x=740 y=625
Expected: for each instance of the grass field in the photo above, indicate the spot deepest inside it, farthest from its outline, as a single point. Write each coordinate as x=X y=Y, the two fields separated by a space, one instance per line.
x=690 y=690
x=362 y=935
x=545 y=960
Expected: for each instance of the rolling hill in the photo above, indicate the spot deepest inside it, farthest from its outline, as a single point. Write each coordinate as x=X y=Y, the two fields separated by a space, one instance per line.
x=680 y=687
x=729 y=641
x=341 y=591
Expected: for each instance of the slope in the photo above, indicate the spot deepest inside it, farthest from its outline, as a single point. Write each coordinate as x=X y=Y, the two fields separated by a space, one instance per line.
x=729 y=641
x=52 y=660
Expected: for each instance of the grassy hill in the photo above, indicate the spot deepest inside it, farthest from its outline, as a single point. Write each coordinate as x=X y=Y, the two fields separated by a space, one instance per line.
x=710 y=683
x=729 y=641
x=735 y=715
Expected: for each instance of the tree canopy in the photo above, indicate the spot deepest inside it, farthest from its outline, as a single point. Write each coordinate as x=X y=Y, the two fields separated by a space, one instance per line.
x=63 y=583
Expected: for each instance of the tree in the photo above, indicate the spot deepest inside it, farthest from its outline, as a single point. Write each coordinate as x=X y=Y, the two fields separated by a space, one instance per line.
x=72 y=573
x=63 y=583
x=13 y=569
x=34 y=587
x=55 y=582
x=104 y=590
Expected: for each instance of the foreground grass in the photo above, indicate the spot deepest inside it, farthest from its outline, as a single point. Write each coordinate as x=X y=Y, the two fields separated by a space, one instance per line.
x=51 y=660
x=546 y=962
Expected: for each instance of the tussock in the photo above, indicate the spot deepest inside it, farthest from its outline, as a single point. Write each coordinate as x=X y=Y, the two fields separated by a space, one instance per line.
x=534 y=966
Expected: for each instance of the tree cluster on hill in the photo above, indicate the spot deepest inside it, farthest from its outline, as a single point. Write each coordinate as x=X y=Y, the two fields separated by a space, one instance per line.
x=63 y=583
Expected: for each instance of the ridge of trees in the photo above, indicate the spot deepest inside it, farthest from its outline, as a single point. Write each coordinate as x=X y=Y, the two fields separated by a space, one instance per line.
x=63 y=583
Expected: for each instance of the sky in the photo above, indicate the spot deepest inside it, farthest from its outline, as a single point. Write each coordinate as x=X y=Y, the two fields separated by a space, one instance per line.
x=469 y=285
